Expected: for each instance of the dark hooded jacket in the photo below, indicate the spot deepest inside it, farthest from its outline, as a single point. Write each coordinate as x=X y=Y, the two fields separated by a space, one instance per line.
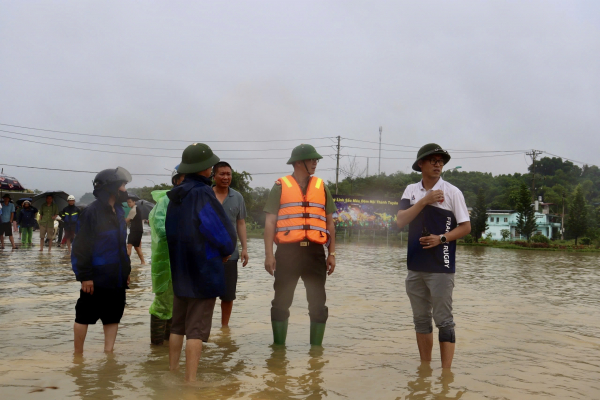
x=26 y=218
x=99 y=249
x=199 y=235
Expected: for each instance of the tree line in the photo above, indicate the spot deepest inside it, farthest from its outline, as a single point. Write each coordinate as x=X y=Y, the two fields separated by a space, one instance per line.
x=557 y=181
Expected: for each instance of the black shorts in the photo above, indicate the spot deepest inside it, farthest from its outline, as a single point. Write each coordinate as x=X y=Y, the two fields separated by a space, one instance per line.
x=6 y=229
x=135 y=238
x=105 y=304
x=231 y=276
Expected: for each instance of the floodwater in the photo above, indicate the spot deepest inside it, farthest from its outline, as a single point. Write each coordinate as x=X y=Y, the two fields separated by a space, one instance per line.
x=528 y=327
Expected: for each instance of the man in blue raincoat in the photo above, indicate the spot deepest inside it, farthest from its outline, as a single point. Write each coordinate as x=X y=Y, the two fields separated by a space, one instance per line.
x=200 y=238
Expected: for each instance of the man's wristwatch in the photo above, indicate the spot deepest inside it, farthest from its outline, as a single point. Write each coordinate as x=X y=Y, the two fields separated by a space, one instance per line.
x=443 y=239
x=332 y=253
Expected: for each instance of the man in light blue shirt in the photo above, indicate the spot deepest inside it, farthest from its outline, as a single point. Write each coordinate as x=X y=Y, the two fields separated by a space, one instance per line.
x=6 y=219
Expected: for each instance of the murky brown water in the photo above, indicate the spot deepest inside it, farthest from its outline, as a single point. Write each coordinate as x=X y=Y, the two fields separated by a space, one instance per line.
x=528 y=327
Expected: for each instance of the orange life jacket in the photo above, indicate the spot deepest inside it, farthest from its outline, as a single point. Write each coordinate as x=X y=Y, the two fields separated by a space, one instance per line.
x=302 y=217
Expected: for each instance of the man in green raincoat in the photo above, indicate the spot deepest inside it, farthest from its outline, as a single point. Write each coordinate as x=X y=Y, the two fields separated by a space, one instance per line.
x=161 y=310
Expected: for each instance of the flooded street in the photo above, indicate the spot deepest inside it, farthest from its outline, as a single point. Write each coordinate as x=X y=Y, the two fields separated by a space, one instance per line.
x=528 y=327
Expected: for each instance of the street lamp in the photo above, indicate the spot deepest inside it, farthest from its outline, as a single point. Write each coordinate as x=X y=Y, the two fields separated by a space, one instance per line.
x=451 y=169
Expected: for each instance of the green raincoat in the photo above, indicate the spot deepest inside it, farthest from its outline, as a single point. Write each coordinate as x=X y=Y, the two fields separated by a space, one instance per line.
x=162 y=306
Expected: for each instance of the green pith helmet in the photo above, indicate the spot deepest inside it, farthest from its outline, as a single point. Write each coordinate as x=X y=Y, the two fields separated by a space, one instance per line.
x=304 y=152
x=428 y=150
x=195 y=158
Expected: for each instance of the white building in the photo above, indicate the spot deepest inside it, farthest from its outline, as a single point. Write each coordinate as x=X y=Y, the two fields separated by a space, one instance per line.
x=547 y=224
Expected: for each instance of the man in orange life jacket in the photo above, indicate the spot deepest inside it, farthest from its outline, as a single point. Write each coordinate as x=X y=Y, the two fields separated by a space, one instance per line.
x=299 y=220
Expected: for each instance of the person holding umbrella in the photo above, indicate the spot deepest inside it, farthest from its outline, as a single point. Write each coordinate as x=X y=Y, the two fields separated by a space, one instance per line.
x=136 y=230
x=48 y=213
x=6 y=220
x=26 y=221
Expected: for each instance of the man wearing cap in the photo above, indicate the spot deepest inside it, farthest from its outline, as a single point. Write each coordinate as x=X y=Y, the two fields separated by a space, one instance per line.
x=6 y=219
x=200 y=239
x=48 y=213
x=299 y=220
x=437 y=216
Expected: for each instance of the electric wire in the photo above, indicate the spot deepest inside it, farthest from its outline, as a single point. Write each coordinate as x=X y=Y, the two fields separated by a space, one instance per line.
x=143 y=147
x=132 y=154
x=165 y=140
x=136 y=174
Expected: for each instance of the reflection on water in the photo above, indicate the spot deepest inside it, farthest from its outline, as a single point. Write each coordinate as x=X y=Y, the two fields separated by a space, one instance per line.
x=423 y=386
x=528 y=327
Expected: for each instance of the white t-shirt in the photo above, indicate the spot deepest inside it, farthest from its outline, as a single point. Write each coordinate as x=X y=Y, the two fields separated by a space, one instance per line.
x=453 y=198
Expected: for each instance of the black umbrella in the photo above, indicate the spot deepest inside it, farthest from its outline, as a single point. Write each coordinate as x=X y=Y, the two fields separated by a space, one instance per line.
x=133 y=197
x=21 y=200
x=144 y=207
x=60 y=199
x=8 y=183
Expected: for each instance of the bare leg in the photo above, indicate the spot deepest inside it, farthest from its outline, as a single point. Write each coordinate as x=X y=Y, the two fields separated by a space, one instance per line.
x=175 y=346
x=226 y=307
x=41 y=243
x=110 y=336
x=193 y=350
x=425 y=343
x=50 y=240
x=79 y=332
x=129 y=249
x=69 y=246
x=12 y=241
x=2 y=240
x=447 y=351
x=138 y=250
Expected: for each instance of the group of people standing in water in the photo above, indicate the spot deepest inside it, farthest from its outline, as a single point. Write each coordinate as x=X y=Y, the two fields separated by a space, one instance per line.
x=195 y=230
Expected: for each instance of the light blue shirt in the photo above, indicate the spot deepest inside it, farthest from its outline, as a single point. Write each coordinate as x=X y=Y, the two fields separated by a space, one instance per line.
x=7 y=210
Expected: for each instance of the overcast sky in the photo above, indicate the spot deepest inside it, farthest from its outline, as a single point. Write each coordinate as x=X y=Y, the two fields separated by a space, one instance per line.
x=468 y=75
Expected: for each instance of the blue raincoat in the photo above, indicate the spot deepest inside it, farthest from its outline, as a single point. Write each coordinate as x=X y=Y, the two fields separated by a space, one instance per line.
x=199 y=235
x=99 y=249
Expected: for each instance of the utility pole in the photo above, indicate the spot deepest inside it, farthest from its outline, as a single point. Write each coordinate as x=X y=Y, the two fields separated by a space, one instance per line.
x=337 y=168
x=379 y=169
x=533 y=154
x=562 y=220
x=367 y=167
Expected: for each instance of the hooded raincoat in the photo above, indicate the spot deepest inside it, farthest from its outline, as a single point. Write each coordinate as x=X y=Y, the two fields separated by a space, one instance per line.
x=199 y=235
x=99 y=249
x=162 y=287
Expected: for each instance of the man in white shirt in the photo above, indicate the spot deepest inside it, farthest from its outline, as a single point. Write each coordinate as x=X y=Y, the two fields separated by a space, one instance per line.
x=437 y=216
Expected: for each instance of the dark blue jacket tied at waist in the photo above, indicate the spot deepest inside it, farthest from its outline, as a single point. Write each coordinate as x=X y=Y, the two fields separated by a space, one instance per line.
x=99 y=249
x=199 y=235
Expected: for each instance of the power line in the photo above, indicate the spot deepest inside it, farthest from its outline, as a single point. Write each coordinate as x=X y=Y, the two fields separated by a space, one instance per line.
x=133 y=154
x=142 y=147
x=165 y=140
x=95 y=172
x=570 y=159
x=418 y=147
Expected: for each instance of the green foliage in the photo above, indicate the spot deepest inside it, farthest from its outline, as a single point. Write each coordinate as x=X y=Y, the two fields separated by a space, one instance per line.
x=240 y=181
x=488 y=237
x=479 y=216
x=86 y=199
x=505 y=233
x=540 y=239
x=145 y=192
x=577 y=219
x=526 y=214
x=585 y=241
x=468 y=238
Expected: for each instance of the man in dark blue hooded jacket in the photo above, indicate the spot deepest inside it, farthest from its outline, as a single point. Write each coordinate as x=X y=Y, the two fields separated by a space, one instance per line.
x=200 y=238
x=99 y=259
